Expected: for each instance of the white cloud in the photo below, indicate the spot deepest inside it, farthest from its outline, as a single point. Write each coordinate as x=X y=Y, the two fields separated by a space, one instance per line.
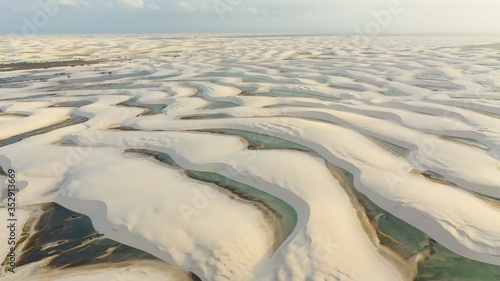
x=186 y=6
x=133 y=3
x=106 y=4
x=153 y=6
x=68 y=2
x=264 y=15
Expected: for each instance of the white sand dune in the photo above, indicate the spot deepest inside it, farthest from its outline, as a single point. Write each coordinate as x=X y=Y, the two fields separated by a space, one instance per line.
x=415 y=120
x=124 y=271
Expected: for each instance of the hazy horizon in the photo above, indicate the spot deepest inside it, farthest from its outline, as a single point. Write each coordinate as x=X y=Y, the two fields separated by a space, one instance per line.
x=376 y=17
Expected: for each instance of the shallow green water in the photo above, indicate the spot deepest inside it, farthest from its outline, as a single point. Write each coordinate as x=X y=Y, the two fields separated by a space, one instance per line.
x=162 y=157
x=72 y=121
x=286 y=212
x=220 y=74
x=244 y=78
x=432 y=76
x=355 y=89
x=399 y=150
x=261 y=141
x=222 y=104
x=441 y=265
x=151 y=108
x=208 y=116
x=260 y=80
x=70 y=238
x=393 y=231
x=78 y=103
x=468 y=141
x=278 y=206
x=107 y=77
x=394 y=93
x=444 y=265
x=292 y=94
x=21 y=79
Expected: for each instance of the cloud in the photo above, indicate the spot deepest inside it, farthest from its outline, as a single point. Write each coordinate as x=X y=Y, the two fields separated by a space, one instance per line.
x=315 y=16
x=133 y=3
x=153 y=6
x=106 y=4
x=68 y=2
x=186 y=6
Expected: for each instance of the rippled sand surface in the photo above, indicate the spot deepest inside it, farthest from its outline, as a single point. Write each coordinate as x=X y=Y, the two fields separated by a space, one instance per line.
x=262 y=157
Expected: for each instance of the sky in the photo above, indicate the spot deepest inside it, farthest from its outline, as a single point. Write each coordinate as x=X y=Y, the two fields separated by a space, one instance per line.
x=372 y=17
